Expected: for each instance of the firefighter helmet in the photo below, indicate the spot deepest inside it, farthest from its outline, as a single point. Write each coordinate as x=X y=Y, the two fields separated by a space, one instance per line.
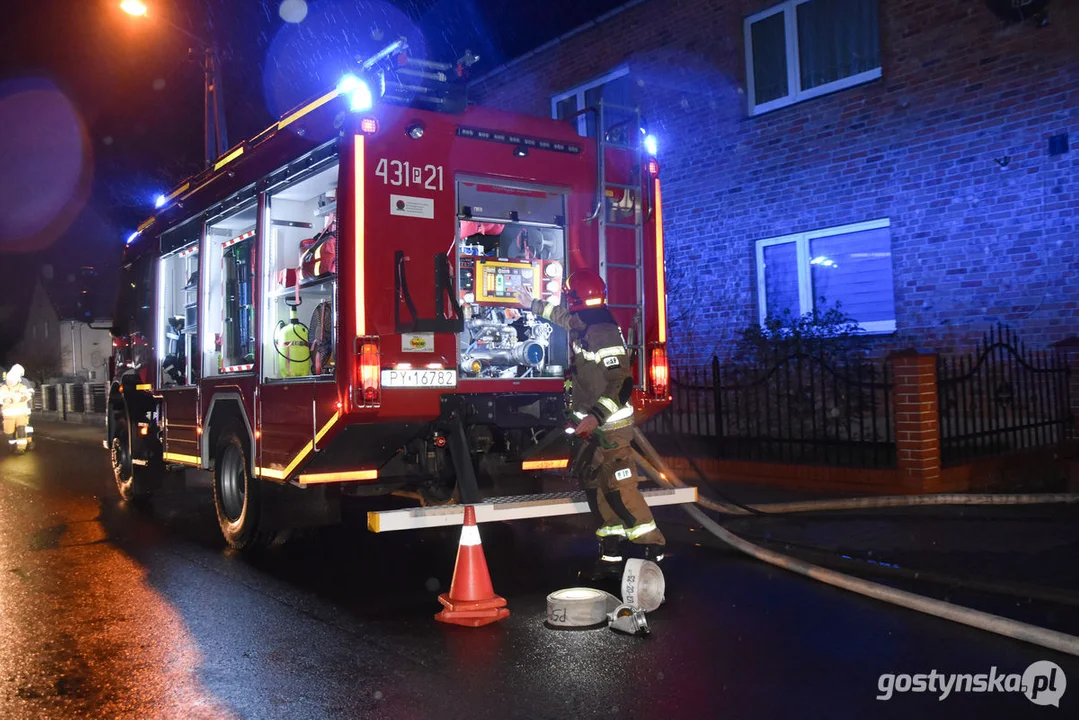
x=14 y=375
x=585 y=289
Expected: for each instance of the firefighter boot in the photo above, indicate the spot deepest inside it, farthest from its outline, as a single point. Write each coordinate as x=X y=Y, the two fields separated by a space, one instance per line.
x=655 y=553
x=610 y=563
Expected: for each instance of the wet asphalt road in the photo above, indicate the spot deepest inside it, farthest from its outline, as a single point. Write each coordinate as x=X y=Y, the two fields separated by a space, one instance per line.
x=108 y=611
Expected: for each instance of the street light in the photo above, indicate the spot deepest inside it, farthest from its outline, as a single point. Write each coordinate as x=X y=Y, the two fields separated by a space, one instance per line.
x=133 y=7
x=216 y=136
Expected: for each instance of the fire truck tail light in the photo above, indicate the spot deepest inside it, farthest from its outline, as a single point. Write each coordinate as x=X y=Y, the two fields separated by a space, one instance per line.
x=653 y=168
x=659 y=372
x=368 y=372
x=369 y=126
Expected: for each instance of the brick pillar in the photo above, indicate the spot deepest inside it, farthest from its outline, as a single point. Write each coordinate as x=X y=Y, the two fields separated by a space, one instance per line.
x=917 y=428
x=1069 y=350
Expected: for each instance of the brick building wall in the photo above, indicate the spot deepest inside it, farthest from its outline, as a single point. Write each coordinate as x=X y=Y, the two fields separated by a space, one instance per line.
x=950 y=144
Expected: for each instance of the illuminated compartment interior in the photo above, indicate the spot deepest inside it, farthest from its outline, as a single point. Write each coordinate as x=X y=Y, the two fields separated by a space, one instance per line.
x=228 y=335
x=301 y=250
x=513 y=238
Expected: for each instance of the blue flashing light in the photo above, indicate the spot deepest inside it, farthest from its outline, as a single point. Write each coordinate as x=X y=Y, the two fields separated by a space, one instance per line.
x=359 y=94
x=159 y=201
x=650 y=144
x=131 y=237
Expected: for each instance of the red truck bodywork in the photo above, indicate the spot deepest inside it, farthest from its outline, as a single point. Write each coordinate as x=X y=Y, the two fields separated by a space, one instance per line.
x=335 y=429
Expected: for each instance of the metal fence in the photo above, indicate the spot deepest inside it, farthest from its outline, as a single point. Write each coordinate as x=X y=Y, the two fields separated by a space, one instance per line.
x=1000 y=399
x=71 y=397
x=798 y=409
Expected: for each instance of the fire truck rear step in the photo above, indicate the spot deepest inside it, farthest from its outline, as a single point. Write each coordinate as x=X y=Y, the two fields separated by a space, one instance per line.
x=515 y=507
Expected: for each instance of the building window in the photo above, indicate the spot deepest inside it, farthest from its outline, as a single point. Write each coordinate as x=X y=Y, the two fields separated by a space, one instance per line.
x=850 y=264
x=613 y=88
x=801 y=49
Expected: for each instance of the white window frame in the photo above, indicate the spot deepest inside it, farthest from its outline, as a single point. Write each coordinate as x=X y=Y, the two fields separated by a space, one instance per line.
x=579 y=91
x=794 y=71
x=805 y=275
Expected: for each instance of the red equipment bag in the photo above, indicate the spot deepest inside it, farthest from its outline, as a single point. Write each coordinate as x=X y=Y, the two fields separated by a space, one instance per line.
x=287 y=277
x=318 y=255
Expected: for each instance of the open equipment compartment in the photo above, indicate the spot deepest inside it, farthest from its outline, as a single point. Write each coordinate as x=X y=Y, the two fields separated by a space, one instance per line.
x=509 y=237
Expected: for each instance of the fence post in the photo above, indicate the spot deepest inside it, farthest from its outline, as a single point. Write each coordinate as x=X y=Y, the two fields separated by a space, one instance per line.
x=717 y=403
x=917 y=422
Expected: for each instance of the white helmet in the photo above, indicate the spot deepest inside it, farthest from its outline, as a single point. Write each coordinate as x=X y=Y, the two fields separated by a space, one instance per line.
x=14 y=375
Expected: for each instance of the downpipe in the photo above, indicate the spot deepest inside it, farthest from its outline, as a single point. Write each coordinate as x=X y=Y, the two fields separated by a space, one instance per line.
x=658 y=470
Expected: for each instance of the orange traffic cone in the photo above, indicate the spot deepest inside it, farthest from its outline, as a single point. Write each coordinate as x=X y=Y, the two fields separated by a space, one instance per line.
x=471 y=600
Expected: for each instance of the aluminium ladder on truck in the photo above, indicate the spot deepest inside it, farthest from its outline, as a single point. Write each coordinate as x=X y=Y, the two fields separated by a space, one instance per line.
x=623 y=132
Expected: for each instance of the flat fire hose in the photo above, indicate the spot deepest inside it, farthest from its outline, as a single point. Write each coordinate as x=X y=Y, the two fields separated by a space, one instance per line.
x=579 y=607
x=643 y=590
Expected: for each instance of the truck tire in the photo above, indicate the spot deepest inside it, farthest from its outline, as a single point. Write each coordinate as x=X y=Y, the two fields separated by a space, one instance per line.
x=135 y=482
x=237 y=495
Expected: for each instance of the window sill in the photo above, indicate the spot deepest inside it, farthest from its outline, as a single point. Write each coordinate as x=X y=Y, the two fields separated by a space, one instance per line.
x=832 y=87
x=878 y=328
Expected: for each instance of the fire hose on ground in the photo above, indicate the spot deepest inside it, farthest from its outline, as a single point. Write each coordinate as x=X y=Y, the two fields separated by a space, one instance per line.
x=658 y=470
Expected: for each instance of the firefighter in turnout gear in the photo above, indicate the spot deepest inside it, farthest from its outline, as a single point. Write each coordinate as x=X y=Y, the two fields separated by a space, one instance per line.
x=15 y=406
x=602 y=412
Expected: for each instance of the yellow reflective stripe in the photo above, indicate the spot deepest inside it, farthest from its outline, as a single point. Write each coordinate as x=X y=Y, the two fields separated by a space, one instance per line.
x=609 y=405
x=181 y=458
x=608 y=530
x=547 y=310
x=610 y=352
x=635 y=532
x=624 y=413
x=598 y=355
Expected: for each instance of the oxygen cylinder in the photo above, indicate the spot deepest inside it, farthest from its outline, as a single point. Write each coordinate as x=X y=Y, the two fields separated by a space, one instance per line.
x=293 y=351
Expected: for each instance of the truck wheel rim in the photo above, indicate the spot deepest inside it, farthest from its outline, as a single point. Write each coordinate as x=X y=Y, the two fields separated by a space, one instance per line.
x=232 y=484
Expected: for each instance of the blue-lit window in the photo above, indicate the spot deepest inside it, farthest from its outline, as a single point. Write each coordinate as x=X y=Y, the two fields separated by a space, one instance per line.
x=613 y=89
x=850 y=264
x=801 y=49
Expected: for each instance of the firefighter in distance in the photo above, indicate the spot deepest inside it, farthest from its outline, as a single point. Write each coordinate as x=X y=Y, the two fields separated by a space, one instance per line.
x=15 y=406
x=600 y=406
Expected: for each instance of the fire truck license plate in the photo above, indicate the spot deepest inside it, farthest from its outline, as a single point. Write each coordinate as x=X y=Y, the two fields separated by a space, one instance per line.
x=419 y=378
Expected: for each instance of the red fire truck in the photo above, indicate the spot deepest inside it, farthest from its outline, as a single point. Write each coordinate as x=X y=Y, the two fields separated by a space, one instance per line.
x=330 y=309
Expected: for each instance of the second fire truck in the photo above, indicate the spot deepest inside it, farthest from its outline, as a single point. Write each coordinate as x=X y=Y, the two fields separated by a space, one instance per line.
x=330 y=309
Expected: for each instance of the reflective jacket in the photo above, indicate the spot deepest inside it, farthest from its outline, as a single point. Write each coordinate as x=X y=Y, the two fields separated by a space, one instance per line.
x=602 y=383
x=15 y=399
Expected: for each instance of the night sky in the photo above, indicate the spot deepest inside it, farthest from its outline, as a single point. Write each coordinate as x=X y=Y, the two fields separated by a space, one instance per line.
x=101 y=111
